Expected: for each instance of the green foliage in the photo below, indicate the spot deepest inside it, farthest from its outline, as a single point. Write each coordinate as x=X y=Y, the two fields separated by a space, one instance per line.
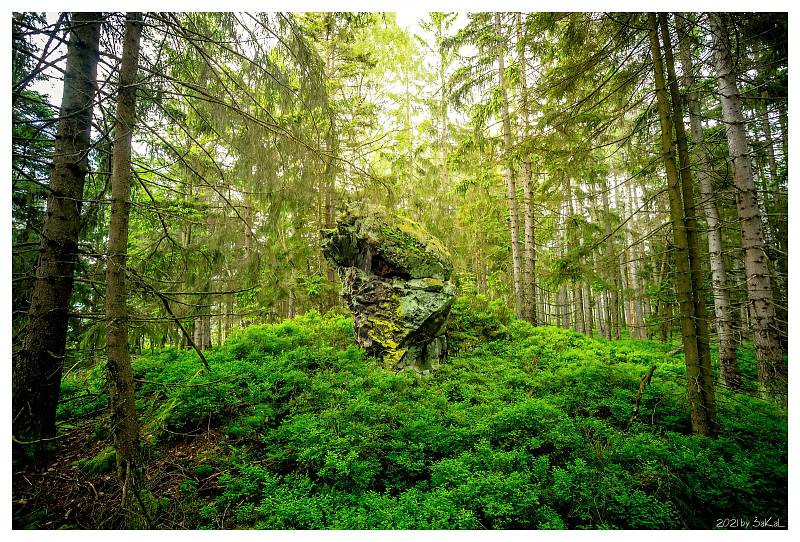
x=474 y=320
x=526 y=431
x=82 y=393
x=103 y=462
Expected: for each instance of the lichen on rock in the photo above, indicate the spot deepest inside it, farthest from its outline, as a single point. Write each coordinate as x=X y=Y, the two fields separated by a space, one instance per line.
x=396 y=281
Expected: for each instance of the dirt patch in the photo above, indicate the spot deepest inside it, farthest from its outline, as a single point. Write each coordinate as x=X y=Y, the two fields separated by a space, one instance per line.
x=58 y=494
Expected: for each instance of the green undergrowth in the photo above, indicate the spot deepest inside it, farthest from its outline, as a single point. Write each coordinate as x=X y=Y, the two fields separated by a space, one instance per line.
x=525 y=428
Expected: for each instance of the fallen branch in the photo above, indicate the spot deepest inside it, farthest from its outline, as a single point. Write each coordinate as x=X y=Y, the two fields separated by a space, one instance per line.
x=645 y=381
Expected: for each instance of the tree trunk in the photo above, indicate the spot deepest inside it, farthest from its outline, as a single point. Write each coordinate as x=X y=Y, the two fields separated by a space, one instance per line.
x=202 y=331
x=615 y=276
x=623 y=270
x=577 y=303
x=690 y=219
x=588 y=305
x=600 y=315
x=777 y=220
x=229 y=308
x=772 y=371
x=577 y=289
x=511 y=189
x=563 y=306
x=663 y=309
x=770 y=143
x=527 y=185
x=701 y=399
x=784 y=120
x=219 y=310
x=729 y=368
x=636 y=295
x=124 y=422
x=37 y=369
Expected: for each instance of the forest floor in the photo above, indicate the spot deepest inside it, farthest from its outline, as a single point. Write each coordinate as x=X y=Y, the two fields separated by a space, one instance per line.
x=522 y=428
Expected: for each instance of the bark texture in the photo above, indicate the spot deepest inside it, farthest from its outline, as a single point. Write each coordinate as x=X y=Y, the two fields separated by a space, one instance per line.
x=772 y=371
x=729 y=368
x=37 y=368
x=706 y=379
x=614 y=309
x=529 y=281
x=701 y=399
x=124 y=422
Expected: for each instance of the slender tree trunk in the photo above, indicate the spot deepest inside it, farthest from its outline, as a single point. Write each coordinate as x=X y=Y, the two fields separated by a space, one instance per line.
x=615 y=276
x=770 y=143
x=577 y=290
x=600 y=315
x=784 y=120
x=588 y=305
x=530 y=250
x=772 y=371
x=124 y=422
x=636 y=297
x=777 y=211
x=663 y=306
x=219 y=310
x=527 y=184
x=563 y=306
x=577 y=307
x=511 y=189
x=37 y=369
x=202 y=331
x=228 y=316
x=623 y=271
x=701 y=399
x=690 y=220
x=729 y=368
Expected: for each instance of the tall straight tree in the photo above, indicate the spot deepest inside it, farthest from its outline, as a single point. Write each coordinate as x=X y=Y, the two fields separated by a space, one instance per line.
x=614 y=309
x=511 y=189
x=37 y=369
x=529 y=269
x=690 y=217
x=124 y=423
x=729 y=368
x=772 y=374
x=701 y=396
x=627 y=303
x=638 y=328
x=572 y=225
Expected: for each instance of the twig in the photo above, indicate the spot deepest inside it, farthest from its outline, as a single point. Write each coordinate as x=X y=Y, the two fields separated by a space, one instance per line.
x=645 y=381
x=165 y=301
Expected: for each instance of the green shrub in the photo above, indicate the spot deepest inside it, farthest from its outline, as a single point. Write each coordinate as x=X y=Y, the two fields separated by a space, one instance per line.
x=526 y=427
x=475 y=320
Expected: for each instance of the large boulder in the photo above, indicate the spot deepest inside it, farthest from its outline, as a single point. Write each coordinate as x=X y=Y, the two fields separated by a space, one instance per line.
x=396 y=281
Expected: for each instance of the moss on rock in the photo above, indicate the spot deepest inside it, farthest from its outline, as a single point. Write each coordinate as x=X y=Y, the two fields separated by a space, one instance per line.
x=395 y=279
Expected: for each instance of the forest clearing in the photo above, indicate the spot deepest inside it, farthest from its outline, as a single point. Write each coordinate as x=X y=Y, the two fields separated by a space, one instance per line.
x=333 y=270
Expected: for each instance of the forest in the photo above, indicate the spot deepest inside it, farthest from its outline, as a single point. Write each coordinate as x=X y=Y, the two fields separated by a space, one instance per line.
x=334 y=270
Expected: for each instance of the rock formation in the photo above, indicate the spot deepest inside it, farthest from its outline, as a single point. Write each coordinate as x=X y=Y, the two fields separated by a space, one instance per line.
x=396 y=281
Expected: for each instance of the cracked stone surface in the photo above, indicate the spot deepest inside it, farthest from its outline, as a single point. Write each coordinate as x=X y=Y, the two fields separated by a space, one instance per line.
x=396 y=282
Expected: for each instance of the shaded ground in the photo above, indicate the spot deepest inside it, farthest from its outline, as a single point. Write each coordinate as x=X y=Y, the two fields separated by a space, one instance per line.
x=59 y=494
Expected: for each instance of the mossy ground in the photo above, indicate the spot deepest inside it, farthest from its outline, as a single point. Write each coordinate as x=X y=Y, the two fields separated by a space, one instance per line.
x=524 y=428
